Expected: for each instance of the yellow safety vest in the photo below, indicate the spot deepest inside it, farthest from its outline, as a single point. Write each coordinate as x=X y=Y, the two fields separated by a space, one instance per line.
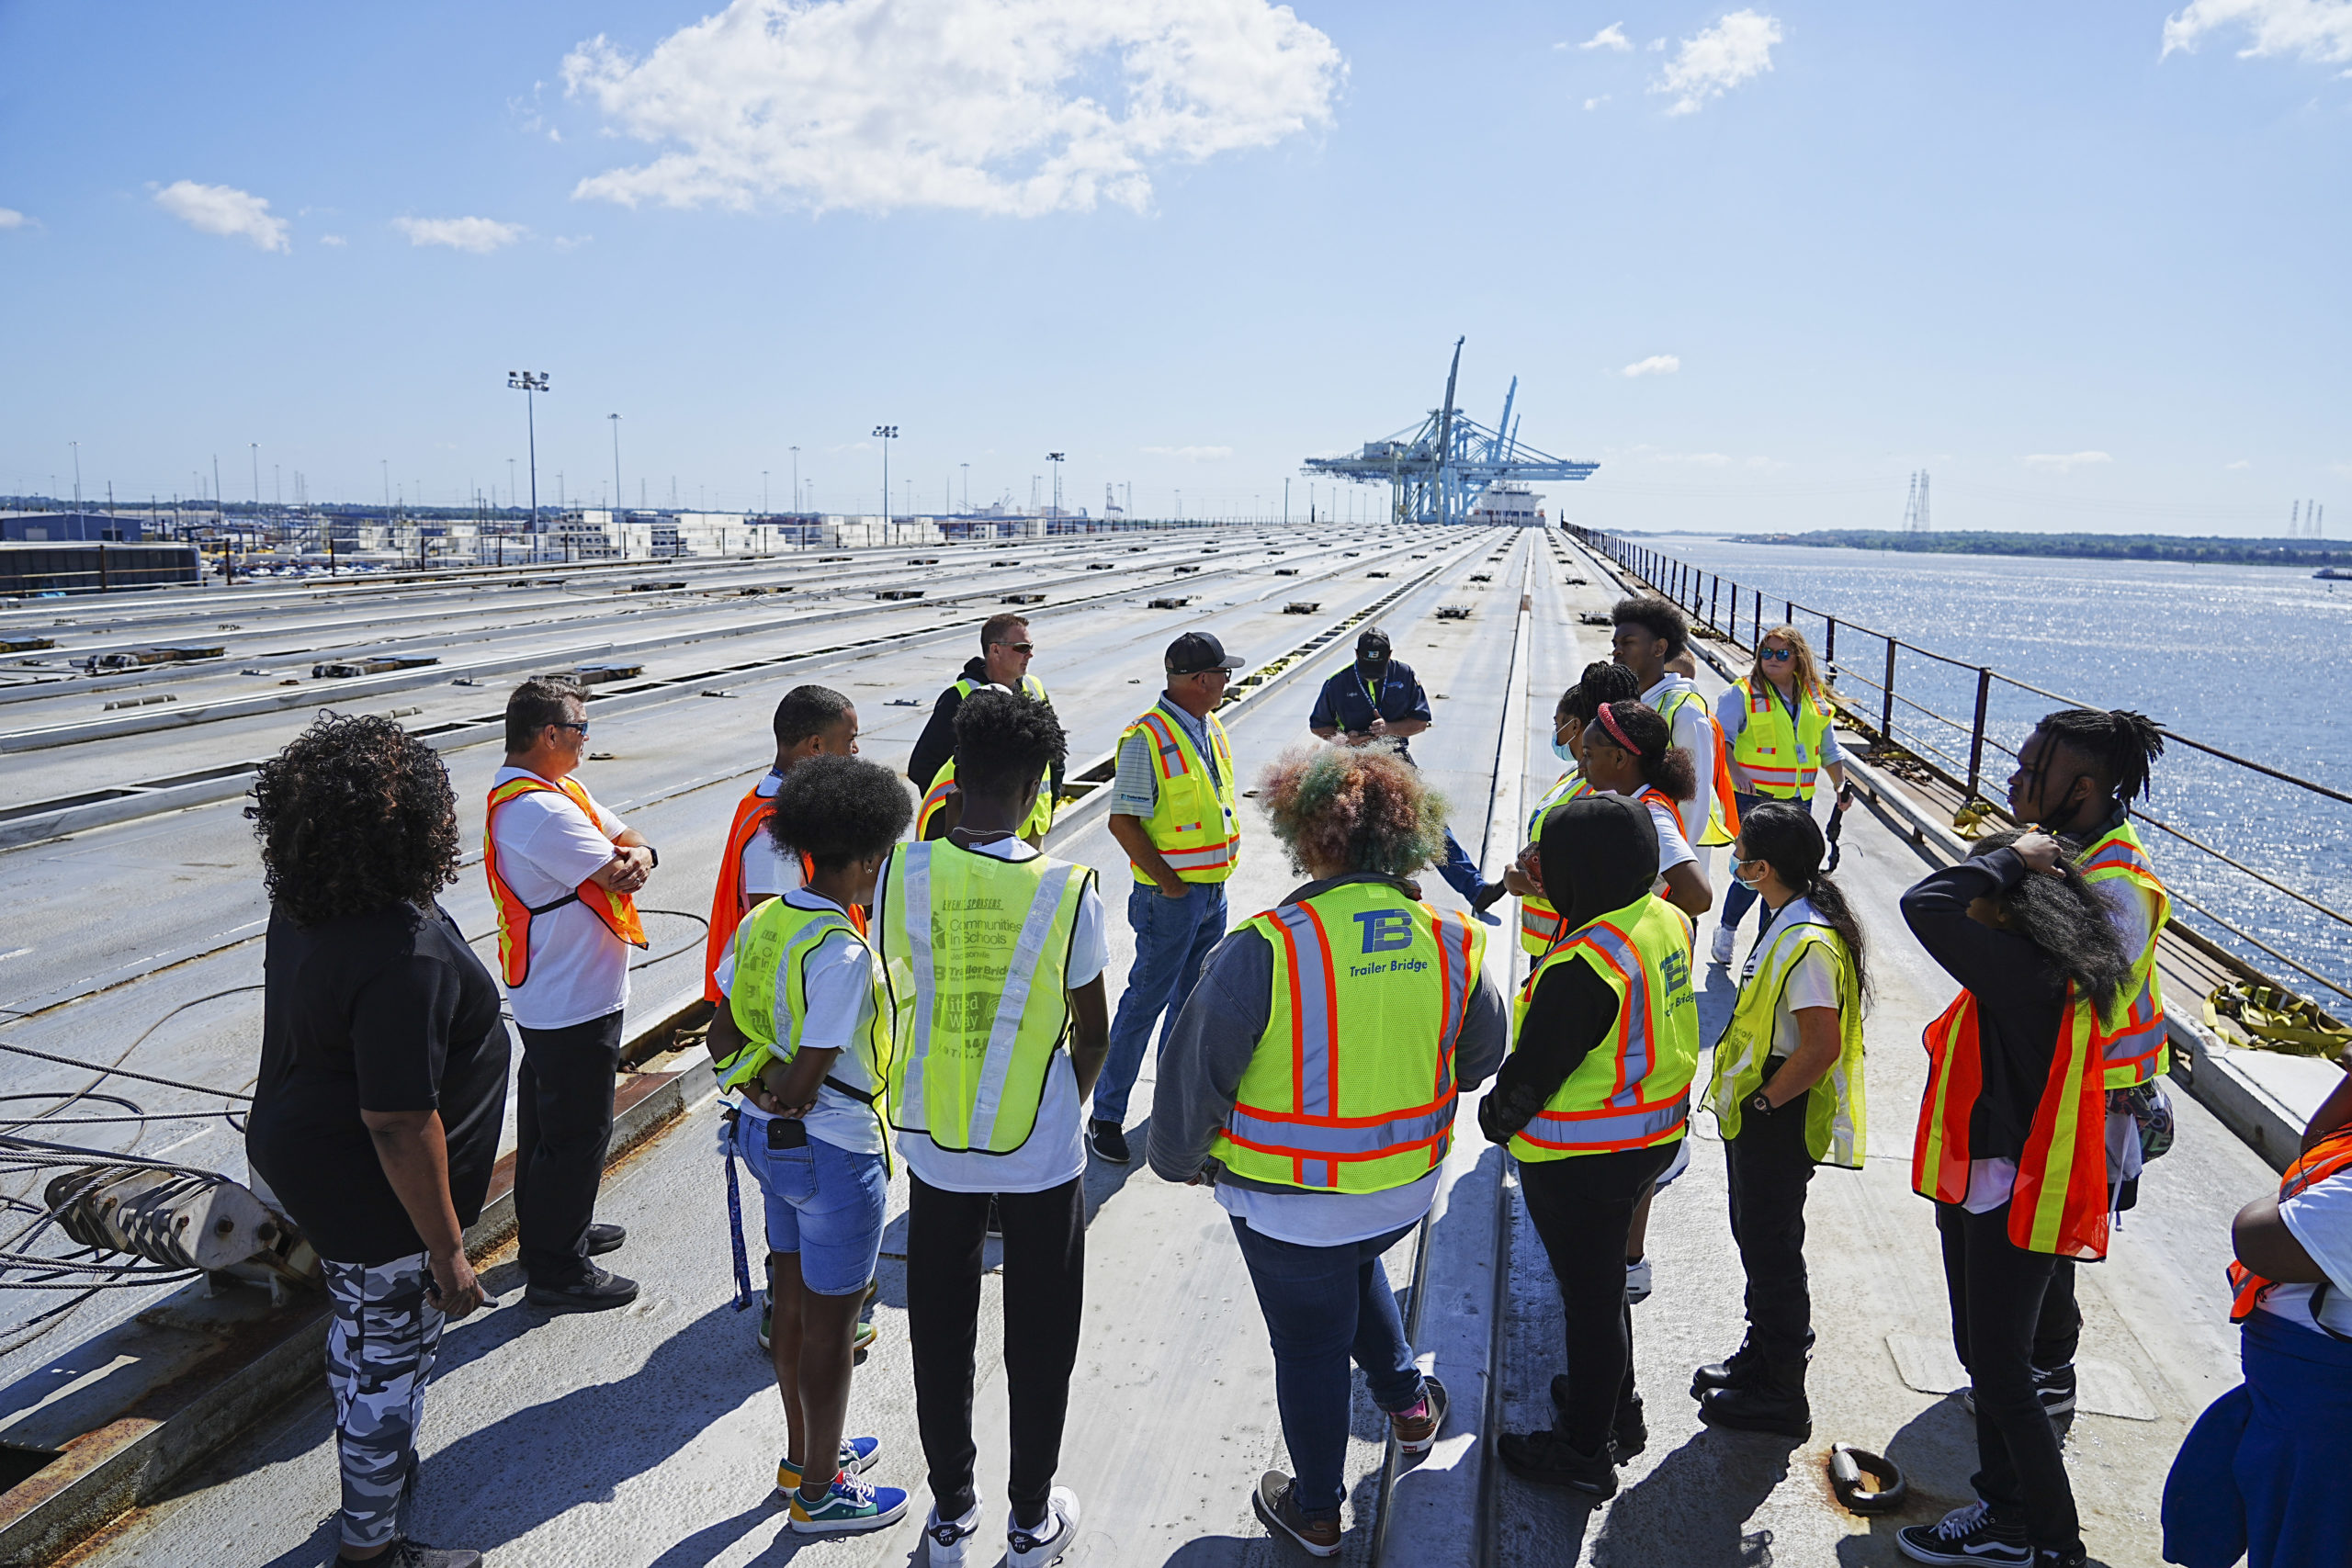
x=1722 y=816
x=1633 y=1090
x=978 y=951
x=1351 y=1088
x=1037 y=824
x=1780 y=753
x=775 y=942
x=1834 y=1128
x=1539 y=921
x=1194 y=823
x=2135 y=1050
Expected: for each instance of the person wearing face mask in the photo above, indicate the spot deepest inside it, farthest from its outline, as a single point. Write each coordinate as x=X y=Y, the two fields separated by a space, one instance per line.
x=1787 y=1092
x=1593 y=1102
x=1377 y=700
x=1628 y=752
x=1539 y=922
x=1778 y=721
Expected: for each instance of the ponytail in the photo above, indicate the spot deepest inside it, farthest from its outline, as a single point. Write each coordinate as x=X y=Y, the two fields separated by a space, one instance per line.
x=1786 y=838
x=1637 y=728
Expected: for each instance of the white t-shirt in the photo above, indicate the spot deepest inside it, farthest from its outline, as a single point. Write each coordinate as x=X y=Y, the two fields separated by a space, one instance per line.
x=1812 y=982
x=579 y=969
x=768 y=872
x=839 y=973
x=1693 y=729
x=2320 y=1218
x=1673 y=849
x=1329 y=1219
x=1055 y=1151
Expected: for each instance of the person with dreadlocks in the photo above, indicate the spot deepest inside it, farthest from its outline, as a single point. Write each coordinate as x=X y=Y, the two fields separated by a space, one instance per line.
x=1539 y=922
x=2011 y=1146
x=1787 y=1093
x=2077 y=774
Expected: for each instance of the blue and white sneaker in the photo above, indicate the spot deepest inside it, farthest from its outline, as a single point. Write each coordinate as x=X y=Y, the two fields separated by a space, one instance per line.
x=851 y=1504
x=857 y=1455
x=1046 y=1543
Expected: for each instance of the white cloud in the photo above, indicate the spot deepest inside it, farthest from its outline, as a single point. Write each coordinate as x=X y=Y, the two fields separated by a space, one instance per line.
x=2317 y=30
x=1590 y=103
x=2063 y=462
x=1190 y=453
x=224 y=209
x=1656 y=45
x=1611 y=37
x=1719 y=59
x=1656 y=365
x=480 y=235
x=571 y=242
x=337 y=241
x=2241 y=463
x=12 y=218
x=1015 y=107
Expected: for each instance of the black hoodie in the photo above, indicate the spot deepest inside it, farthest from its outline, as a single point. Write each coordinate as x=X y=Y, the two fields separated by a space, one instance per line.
x=937 y=742
x=1599 y=853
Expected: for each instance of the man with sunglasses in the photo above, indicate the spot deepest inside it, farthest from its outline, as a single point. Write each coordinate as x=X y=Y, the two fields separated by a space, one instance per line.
x=1006 y=648
x=1172 y=809
x=563 y=875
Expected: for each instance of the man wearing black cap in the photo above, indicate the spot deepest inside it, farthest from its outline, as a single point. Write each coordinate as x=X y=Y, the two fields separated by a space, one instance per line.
x=1172 y=811
x=1377 y=700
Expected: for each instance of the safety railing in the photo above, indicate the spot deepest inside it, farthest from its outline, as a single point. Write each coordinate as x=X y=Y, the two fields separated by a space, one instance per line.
x=1910 y=701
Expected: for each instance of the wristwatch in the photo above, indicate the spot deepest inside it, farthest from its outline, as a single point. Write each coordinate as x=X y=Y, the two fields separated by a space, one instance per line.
x=1760 y=1103
x=657 y=857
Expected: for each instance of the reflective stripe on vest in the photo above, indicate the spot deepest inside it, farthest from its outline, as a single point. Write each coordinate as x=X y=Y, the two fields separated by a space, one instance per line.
x=977 y=948
x=1035 y=825
x=1352 y=1088
x=2059 y=1203
x=1632 y=1090
x=2135 y=1050
x=1834 y=1120
x=617 y=910
x=1723 y=812
x=2331 y=1155
x=1786 y=767
x=729 y=902
x=1193 y=822
x=1539 y=921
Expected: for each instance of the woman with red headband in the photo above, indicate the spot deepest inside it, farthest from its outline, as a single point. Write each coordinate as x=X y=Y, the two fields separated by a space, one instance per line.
x=1630 y=751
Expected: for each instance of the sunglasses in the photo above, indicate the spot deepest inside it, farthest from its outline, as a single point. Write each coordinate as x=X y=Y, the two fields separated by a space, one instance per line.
x=1019 y=647
x=1777 y=655
x=566 y=723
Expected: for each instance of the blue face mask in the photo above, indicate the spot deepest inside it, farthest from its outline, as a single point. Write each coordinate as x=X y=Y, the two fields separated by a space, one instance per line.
x=1744 y=882
x=1562 y=750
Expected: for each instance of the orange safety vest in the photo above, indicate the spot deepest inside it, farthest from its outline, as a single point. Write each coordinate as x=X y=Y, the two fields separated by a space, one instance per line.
x=2331 y=1155
x=2059 y=1203
x=618 y=910
x=729 y=903
x=1722 y=804
x=2135 y=1049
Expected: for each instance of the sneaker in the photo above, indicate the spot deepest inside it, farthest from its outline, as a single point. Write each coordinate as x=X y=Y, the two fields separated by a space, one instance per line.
x=1051 y=1537
x=600 y=1292
x=2054 y=1387
x=407 y=1553
x=1637 y=1281
x=605 y=1238
x=1719 y=951
x=1276 y=1502
x=1543 y=1460
x=1966 y=1535
x=1629 y=1428
x=857 y=1455
x=946 y=1539
x=1109 y=1141
x=862 y=1340
x=851 y=1504
x=1417 y=1428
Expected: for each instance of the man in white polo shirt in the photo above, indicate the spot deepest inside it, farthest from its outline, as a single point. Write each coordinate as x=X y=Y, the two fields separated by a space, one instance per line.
x=563 y=873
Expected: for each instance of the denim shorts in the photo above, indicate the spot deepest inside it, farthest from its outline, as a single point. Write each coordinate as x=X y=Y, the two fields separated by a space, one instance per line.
x=824 y=1202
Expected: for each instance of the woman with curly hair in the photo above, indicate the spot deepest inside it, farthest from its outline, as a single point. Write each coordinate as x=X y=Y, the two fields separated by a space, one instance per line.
x=382 y=1085
x=1312 y=1076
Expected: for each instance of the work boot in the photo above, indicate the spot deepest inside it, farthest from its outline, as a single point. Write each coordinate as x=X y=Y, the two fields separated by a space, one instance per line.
x=1771 y=1399
x=1732 y=1371
x=1629 y=1430
x=1544 y=1460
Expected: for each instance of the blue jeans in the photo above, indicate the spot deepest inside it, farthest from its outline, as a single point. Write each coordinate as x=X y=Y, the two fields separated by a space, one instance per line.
x=823 y=1201
x=1461 y=872
x=1173 y=937
x=1324 y=1306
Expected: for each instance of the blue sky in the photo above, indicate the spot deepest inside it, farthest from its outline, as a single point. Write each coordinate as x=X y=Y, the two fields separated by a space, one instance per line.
x=2085 y=280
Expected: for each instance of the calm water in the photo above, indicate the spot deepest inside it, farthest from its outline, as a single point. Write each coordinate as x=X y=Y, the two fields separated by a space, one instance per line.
x=2246 y=658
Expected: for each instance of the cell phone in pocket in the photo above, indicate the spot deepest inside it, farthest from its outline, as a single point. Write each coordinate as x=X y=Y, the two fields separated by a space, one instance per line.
x=784 y=1133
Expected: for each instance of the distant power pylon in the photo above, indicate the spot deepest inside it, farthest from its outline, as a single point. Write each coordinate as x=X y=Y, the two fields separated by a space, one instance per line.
x=2303 y=520
x=1915 y=507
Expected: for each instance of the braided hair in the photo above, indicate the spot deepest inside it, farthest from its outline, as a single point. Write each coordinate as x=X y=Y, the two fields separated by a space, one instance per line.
x=2067 y=920
x=1786 y=838
x=1665 y=766
x=1602 y=682
x=2121 y=746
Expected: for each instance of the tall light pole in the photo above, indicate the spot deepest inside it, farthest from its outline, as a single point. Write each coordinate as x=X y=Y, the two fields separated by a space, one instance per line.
x=617 y=502
x=967 y=489
x=531 y=383
x=77 y=475
x=795 y=478
x=1056 y=459
x=886 y=434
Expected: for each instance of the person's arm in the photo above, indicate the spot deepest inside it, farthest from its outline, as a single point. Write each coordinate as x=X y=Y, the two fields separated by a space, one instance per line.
x=1570 y=1013
x=1687 y=889
x=1210 y=1047
x=631 y=865
x=1132 y=838
x=2264 y=1243
x=937 y=741
x=1833 y=762
x=1416 y=717
x=1323 y=722
x=411 y=1146
x=1984 y=960
x=1819 y=1044
x=2335 y=1110
x=1089 y=1034
x=1731 y=717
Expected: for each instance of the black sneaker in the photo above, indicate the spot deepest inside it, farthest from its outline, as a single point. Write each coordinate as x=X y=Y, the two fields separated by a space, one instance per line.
x=1109 y=1141
x=1543 y=1460
x=1629 y=1429
x=2054 y=1387
x=407 y=1553
x=1966 y=1537
x=1276 y=1502
x=605 y=1238
x=600 y=1292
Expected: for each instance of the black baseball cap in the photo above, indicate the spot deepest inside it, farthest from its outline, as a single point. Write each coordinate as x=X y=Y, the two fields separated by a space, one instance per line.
x=1196 y=651
x=1372 y=643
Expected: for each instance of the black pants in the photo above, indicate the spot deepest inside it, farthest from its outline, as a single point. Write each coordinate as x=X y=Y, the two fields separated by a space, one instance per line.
x=1769 y=1172
x=2061 y=1329
x=1582 y=1208
x=1045 y=1295
x=563 y=1124
x=1996 y=1289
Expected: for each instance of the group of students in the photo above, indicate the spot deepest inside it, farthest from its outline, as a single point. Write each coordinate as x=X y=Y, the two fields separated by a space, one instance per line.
x=945 y=1000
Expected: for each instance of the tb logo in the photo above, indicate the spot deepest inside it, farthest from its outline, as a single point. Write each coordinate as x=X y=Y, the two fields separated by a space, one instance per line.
x=1386 y=930
x=1676 y=967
